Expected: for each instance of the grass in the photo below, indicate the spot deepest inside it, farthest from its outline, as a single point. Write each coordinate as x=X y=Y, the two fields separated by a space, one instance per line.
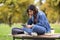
x=56 y=27
x=5 y=30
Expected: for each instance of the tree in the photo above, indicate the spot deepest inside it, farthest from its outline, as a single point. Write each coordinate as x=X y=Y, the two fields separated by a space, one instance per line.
x=52 y=10
x=12 y=11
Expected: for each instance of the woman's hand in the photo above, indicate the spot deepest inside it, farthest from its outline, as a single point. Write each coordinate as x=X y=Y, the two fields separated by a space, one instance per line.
x=30 y=16
x=29 y=26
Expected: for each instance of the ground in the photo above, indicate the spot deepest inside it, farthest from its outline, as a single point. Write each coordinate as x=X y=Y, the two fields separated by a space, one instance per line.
x=5 y=30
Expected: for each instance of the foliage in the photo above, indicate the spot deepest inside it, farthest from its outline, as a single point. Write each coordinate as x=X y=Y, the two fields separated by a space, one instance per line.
x=52 y=10
x=12 y=10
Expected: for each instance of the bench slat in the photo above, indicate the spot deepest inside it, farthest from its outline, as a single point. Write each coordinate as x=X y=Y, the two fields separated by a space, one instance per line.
x=56 y=36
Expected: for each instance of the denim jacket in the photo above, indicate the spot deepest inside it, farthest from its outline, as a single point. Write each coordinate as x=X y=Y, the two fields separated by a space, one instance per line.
x=41 y=21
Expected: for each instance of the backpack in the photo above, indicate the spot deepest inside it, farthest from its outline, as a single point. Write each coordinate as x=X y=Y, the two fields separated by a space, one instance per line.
x=17 y=31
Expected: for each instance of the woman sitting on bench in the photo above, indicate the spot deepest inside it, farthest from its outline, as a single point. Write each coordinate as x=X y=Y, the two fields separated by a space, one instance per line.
x=37 y=21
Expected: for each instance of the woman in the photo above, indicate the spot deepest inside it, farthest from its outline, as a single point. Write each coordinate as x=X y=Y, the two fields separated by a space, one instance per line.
x=39 y=21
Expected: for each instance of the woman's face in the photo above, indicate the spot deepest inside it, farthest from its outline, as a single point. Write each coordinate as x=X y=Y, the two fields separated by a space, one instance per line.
x=30 y=12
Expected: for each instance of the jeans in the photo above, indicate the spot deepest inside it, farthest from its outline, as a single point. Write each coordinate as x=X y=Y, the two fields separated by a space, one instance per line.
x=38 y=29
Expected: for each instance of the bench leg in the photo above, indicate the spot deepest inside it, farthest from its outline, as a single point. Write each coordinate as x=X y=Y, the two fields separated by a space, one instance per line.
x=22 y=38
x=13 y=38
x=48 y=39
x=43 y=39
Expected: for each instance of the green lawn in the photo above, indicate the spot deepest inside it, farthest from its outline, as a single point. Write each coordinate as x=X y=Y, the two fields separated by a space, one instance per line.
x=5 y=30
x=56 y=27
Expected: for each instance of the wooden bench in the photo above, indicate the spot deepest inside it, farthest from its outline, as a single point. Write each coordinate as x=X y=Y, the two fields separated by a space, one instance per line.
x=40 y=37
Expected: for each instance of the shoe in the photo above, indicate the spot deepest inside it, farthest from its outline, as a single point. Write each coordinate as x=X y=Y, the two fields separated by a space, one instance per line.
x=34 y=34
